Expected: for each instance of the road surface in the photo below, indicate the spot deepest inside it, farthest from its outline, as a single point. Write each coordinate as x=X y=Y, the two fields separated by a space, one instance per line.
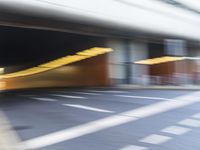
x=105 y=119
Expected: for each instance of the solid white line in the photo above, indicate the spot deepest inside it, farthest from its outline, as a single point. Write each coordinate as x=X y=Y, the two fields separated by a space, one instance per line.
x=196 y=116
x=134 y=147
x=142 y=97
x=86 y=93
x=75 y=132
x=112 y=121
x=69 y=96
x=190 y=122
x=88 y=108
x=177 y=130
x=155 y=139
x=44 y=99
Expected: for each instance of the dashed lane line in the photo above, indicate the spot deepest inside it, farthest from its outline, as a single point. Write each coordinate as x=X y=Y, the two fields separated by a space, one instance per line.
x=84 y=93
x=88 y=108
x=112 y=121
x=44 y=99
x=190 y=123
x=24 y=95
x=196 y=116
x=69 y=96
x=155 y=139
x=105 y=91
x=87 y=93
x=143 y=97
x=176 y=130
x=134 y=147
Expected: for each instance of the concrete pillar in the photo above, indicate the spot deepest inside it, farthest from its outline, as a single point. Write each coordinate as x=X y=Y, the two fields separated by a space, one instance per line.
x=139 y=51
x=122 y=69
x=116 y=61
x=128 y=61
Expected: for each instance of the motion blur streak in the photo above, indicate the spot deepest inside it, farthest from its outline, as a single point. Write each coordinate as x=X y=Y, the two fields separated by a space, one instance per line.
x=101 y=74
x=133 y=15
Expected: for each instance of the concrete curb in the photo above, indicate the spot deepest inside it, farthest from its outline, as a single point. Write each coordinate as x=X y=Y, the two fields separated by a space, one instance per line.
x=8 y=138
x=149 y=87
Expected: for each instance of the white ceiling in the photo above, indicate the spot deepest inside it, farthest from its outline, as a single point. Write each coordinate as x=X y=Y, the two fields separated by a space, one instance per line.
x=145 y=15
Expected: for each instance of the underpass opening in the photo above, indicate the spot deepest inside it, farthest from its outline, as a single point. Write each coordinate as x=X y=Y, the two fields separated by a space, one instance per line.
x=23 y=48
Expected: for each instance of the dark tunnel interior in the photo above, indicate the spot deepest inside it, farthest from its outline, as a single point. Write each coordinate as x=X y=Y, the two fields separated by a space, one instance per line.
x=29 y=47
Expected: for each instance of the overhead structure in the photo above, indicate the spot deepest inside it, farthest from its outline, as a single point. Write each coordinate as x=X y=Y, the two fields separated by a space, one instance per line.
x=170 y=18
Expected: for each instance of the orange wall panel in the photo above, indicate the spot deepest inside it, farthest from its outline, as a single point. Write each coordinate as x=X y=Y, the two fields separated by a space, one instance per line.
x=89 y=72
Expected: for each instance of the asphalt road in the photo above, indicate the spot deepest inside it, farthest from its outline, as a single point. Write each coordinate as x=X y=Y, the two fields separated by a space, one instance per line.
x=105 y=119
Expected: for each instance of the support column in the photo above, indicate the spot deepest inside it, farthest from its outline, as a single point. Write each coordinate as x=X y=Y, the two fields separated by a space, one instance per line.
x=122 y=69
x=128 y=62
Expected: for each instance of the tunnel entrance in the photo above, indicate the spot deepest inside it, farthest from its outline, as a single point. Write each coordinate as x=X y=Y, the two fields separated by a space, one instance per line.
x=23 y=48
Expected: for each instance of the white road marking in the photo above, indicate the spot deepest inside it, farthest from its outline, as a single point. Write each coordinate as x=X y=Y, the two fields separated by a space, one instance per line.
x=86 y=93
x=177 y=130
x=69 y=96
x=44 y=99
x=27 y=95
x=190 y=122
x=107 y=91
x=75 y=132
x=155 y=139
x=88 y=108
x=112 y=121
x=142 y=97
x=58 y=91
x=133 y=147
x=9 y=139
x=196 y=116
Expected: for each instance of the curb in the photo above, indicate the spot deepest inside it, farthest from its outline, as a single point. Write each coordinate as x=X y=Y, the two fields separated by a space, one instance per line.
x=185 y=87
x=8 y=138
